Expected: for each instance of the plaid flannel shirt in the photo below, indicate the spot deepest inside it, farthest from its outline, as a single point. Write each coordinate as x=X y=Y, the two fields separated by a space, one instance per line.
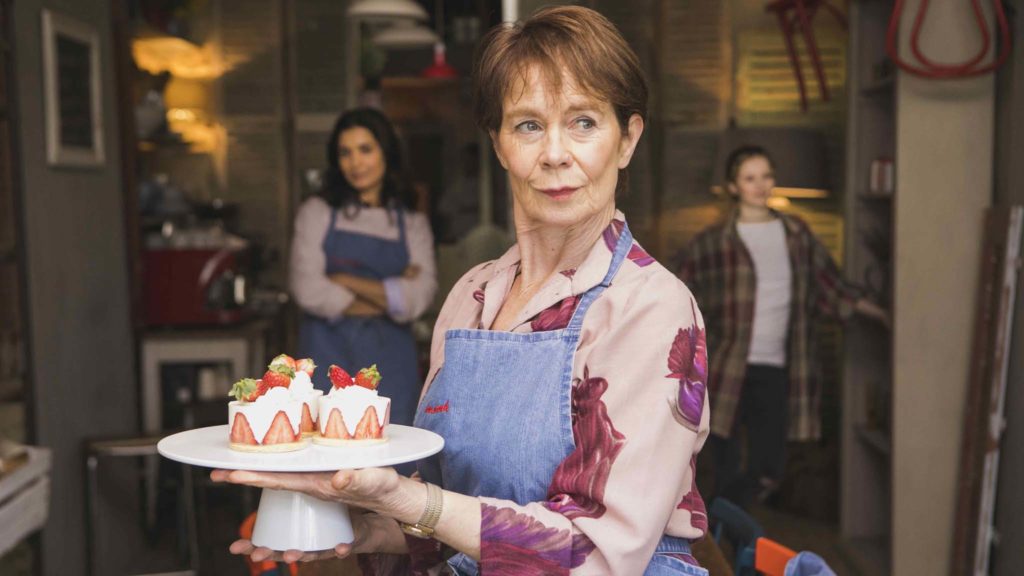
x=718 y=269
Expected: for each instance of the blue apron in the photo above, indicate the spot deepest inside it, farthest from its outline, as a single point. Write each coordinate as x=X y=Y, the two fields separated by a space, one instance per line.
x=355 y=343
x=503 y=403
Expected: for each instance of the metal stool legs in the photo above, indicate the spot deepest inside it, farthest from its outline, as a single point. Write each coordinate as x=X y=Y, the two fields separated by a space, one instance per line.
x=144 y=448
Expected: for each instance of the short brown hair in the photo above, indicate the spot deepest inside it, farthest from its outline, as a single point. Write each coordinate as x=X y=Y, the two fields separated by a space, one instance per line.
x=571 y=38
x=740 y=155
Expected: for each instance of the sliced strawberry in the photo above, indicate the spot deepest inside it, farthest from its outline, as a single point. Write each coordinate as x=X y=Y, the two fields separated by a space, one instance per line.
x=336 y=426
x=306 y=365
x=283 y=360
x=339 y=378
x=387 y=415
x=307 y=424
x=369 y=426
x=281 y=431
x=368 y=377
x=278 y=376
x=241 y=433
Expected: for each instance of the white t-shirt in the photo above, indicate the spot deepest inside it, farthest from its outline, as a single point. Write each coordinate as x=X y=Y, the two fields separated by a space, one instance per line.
x=766 y=242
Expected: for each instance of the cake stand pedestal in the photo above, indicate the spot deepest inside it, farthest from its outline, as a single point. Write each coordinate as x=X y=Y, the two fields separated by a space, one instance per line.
x=289 y=520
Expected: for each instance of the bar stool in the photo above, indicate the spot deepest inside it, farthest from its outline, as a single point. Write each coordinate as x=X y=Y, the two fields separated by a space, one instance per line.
x=144 y=447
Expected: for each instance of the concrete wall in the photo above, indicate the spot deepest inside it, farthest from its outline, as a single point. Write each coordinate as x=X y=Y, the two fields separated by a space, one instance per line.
x=1009 y=554
x=77 y=286
x=944 y=182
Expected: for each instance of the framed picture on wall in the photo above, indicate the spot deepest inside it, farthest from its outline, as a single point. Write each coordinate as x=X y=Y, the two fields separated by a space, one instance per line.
x=71 y=76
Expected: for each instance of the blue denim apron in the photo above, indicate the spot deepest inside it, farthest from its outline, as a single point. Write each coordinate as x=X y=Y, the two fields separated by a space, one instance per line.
x=355 y=343
x=503 y=403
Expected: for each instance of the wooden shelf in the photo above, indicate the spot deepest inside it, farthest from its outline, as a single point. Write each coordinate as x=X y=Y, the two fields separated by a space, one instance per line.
x=413 y=82
x=866 y=476
x=875 y=439
x=24 y=494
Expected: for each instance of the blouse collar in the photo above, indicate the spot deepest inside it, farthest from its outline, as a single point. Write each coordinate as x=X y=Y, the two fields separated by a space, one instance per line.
x=564 y=284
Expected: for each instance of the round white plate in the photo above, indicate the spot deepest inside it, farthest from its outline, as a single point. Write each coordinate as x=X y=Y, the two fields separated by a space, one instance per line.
x=209 y=447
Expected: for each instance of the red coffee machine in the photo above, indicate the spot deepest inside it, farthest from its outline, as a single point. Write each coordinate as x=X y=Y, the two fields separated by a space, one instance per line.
x=188 y=286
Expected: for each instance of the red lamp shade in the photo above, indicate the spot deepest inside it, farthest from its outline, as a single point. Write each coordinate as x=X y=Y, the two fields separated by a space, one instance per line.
x=440 y=68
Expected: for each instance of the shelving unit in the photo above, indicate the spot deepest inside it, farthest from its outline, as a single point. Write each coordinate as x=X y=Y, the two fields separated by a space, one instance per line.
x=866 y=472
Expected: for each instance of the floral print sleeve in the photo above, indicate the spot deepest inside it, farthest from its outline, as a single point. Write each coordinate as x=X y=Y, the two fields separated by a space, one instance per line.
x=639 y=417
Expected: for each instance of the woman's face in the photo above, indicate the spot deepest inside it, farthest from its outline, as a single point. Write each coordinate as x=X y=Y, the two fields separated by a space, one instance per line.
x=361 y=160
x=562 y=150
x=754 y=182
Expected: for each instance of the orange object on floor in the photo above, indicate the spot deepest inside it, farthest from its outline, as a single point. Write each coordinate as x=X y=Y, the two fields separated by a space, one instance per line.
x=267 y=566
x=770 y=557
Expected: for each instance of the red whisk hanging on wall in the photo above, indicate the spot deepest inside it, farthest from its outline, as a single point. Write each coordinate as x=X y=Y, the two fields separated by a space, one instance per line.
x=927 y=68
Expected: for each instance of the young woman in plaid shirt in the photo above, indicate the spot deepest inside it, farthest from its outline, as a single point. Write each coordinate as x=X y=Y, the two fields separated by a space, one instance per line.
x=762 y=279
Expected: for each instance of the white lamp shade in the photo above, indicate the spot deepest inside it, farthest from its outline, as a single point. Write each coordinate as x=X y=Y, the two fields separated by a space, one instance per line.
x=387 y=10
x=406 y=34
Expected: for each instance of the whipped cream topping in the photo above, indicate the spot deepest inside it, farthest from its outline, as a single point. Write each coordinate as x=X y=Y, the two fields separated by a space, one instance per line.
x=301 y=385
x=261 y=413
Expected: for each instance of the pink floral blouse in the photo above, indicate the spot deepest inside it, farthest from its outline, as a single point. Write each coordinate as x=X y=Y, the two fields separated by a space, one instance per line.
x=640 y=416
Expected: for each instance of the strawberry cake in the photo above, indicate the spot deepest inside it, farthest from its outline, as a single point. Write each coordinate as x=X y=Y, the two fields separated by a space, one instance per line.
x=352 y=413
x=265 y=416
x=301 y=387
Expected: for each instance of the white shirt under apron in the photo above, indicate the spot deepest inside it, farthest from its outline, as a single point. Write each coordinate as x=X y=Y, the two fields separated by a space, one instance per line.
x=766 y=243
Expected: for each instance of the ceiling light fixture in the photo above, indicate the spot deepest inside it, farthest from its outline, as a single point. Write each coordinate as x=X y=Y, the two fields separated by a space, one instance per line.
x=406 y=34
x=387 y=10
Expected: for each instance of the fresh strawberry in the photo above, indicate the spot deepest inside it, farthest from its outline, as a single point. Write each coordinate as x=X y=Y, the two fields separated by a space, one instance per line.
x=335 y=427
x=306 y=365
x=278 y=376
x=368 y=377
x=369 y=426
x=247 y=390
x=283 y=360
x=307 y=424
x=241 y=433
x=281 y=431
x=339 y=378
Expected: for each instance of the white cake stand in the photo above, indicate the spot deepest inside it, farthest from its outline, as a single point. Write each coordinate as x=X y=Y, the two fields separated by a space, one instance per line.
x=289 y=520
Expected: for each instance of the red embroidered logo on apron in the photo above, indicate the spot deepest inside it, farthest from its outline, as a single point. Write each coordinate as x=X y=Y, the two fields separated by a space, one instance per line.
x=437 y=408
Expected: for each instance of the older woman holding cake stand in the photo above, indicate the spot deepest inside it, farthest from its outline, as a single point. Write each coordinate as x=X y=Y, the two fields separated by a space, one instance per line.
x=568 y=376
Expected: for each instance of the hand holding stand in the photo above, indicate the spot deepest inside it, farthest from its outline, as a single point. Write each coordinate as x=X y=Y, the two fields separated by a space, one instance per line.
x=289 y=520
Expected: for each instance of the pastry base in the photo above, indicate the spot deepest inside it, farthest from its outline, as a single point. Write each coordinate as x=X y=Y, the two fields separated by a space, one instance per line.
x=322 y=440
x=286 y=447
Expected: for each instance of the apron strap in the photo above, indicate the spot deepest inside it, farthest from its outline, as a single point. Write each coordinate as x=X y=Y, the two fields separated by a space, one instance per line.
x=334 y=219
x=400 y=215
x=622 y=247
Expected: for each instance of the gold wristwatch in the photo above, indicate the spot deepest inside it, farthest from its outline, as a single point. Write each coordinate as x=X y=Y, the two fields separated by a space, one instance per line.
x=424 y=527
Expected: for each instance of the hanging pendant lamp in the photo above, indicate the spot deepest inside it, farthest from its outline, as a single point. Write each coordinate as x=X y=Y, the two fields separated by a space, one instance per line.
x=386 y=10
x=440 y=68
x=406 y=34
